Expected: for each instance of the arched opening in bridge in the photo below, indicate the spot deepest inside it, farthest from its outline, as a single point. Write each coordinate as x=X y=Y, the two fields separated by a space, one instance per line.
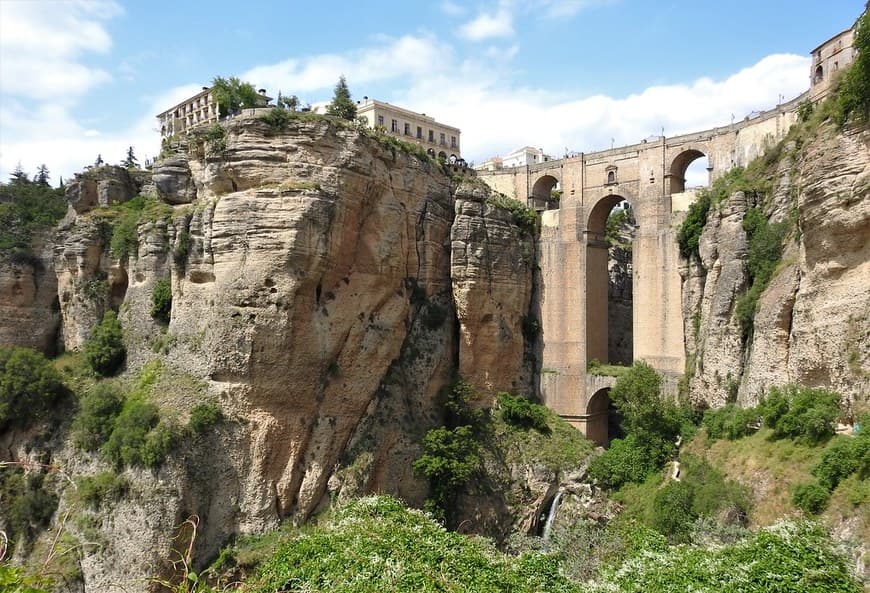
x=609 y=292
x=543 y=195
x=603 y=421
x=690 y=169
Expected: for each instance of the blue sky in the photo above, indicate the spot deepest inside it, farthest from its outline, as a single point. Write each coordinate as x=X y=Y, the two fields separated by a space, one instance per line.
x=78 y=78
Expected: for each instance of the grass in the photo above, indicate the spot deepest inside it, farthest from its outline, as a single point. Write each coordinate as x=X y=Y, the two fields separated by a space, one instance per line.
x=772 y=468
x=560 y=448
x=601 y=369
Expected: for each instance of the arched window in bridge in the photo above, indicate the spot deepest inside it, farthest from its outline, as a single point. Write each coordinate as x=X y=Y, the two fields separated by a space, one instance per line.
x=611 y=175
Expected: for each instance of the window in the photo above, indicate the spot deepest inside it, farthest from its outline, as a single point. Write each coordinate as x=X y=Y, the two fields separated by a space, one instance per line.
x=419 y=132
x=380 y=120
x=407 y=129
x=452 y=141
x=611 y=177
x=431 y=136
x=394 y=126
x=443 y=139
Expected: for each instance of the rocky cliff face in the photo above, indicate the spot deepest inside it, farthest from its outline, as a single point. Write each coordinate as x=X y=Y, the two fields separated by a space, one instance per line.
x=811 y=325
x=326 y=287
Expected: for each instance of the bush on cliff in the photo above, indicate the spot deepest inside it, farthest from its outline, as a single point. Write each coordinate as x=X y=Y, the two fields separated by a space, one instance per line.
x=29 y=387
x=105 y=351
x=853 y=96
x=161 y=301
x=803 y=413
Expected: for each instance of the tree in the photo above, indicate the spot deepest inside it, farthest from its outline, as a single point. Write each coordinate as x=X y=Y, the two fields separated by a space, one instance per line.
x=29 y=386
x=42 y=175
x=18 y=177
x=231 y=94
x=130 y=162
x=291 y=102
x=342 y=106
x=105 y=351
x=854 y=93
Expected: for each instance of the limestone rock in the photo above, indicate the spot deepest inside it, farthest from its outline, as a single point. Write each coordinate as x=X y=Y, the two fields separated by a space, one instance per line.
x=173 y=180
x=811 y=324
x=28 y=301
x=102 y=186
x=491 y=272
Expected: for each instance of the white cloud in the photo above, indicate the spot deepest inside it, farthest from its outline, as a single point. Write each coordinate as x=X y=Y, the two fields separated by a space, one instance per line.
x=489 y=25
x=568 y=8
x=41 y=43
x=404 y=57
x=452 y=8
x=51 y=135
x=496 y=117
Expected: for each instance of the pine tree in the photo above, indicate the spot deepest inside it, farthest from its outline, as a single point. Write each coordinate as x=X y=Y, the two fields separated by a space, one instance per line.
x=342 y=106
x=42 y=175
x=130 y=162
x=18 y=177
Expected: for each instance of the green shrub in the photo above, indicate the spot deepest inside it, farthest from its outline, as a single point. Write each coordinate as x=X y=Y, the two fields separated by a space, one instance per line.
x=623 y=462
x=653 y=422
x=375 y=545
x=29 y=387
x=278 y=119
x=731 y=422
x=711 y=491
x=673 y=513
x=527 y=219
x=26 y=208
x=127 y=441
x=853 y=95
x=799 y=412
x=784 y=558
x=763 y=256
x=161 y=301
x=158 y=443
x=182 y=249
x=104 y=486
x=811 y=497
x=104 y=351
x=450 y=457
x=204 y=416
x=95 y=419
x=689 y=234
x=28 y=505
x=520 y=412
x=460 y=409
x=839 y=461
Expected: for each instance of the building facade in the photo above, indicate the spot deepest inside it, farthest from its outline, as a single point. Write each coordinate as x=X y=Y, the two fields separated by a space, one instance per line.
x=198 y=110
x=521 y=157
x=827 y=60
x=439 y=140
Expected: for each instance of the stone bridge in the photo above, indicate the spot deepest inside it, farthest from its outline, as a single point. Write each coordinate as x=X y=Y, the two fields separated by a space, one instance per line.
x=573 y=255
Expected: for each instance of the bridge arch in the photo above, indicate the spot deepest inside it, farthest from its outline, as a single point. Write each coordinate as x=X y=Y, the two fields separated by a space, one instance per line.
x=599 y=321
x=541 y=192
x=597 y=412
x=543 y=187
x=677 y=172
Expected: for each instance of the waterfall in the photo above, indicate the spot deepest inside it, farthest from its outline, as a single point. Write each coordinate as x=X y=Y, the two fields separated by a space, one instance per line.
x=551 y=516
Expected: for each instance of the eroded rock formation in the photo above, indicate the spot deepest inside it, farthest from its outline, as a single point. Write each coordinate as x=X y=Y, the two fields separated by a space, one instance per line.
x=811 y=325
x=324 y=286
